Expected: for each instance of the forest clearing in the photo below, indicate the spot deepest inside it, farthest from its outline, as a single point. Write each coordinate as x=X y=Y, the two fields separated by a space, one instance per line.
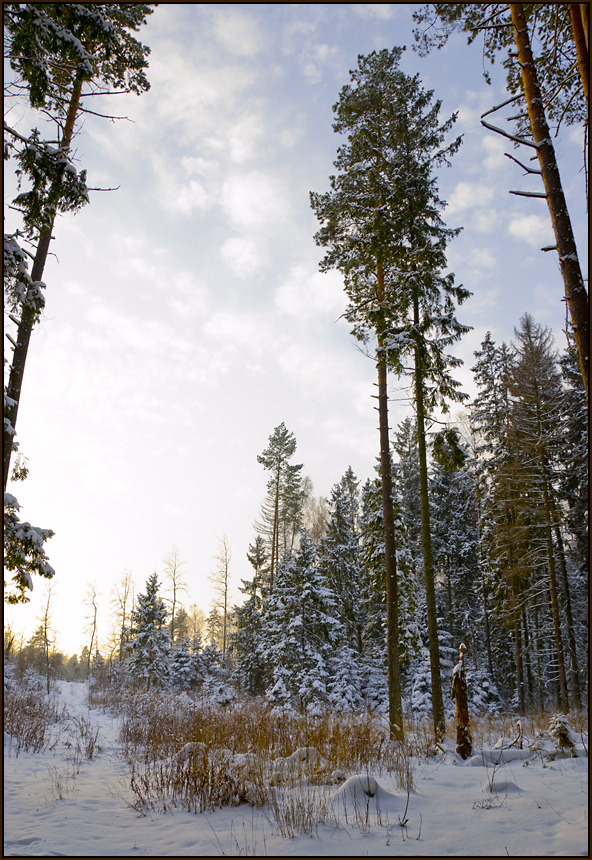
x=140 y=784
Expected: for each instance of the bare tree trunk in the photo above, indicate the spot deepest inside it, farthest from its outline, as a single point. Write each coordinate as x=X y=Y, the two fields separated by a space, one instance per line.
x=553 y=589
x=584 y=12
x=575 y=292
x=426 y=541
x=392 y=593
x=464 y=741
x=275 y=533
x=581 y=42
x=574 y=675
x=28 y=315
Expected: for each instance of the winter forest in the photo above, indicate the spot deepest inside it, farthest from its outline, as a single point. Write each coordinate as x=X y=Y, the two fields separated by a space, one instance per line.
x=461 y=563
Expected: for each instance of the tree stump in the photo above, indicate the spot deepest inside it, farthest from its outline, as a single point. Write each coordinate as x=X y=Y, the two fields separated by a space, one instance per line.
x=464 y=741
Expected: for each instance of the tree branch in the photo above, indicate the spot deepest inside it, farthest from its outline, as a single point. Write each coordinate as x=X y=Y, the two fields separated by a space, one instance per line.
x=523 y=166
x=509 y=136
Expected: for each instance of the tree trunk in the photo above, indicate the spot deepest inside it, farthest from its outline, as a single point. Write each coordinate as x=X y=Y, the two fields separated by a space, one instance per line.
x=584 y=12
x=426 y=540
x=553 y=589
x=575 y=292
x=527 y=653
x=27 y=320
x=275 y=530
x=574 y=675
x=581 y=42
x=464 y=745
x=392 y=594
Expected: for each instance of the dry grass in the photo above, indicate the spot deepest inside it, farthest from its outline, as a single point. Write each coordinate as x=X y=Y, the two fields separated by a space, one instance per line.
x=200 y=756
x=29 y=718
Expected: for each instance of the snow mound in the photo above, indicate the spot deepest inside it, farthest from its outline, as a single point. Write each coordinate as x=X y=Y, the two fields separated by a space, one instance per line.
x=483 y=758
x=190 y=749
x=364 y=792
x=297 y=765
x=504 y=786
x=359 y=787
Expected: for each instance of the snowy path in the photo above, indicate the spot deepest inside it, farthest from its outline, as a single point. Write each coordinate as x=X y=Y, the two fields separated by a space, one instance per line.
x=51 y=811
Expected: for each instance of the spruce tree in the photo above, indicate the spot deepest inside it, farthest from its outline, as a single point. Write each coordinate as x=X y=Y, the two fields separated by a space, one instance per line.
x=149 y=642
x=300 y=630
x=340 y=556
x=537 y=411
x=249 y=671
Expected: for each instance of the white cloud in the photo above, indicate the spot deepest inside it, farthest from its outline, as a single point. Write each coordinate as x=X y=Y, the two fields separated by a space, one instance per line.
x=468 y=195
x=495 y=149
x=244 y=135
x=253 y=199
x=316 y=59
x=243 y=255
x=304 y=294
x=237 y=32
x=382 y=11
x=233 y=330
x=534 y=229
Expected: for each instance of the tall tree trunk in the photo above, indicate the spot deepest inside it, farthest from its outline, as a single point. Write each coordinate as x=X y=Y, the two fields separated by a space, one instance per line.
x=584 y=12
x=574 y=674
x=28 y=315
x=575 y=292
x=275 y=531
x=392 y=592
x=426 y=541
x=537 y=644
x=553 y=590
x=527 y=653
x=518 y=651
x=581 y=42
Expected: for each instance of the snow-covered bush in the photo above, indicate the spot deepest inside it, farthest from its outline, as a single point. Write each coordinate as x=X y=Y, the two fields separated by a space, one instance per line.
x=563 y=736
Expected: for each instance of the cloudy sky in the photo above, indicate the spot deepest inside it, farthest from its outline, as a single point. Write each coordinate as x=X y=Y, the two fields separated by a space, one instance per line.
x=186 y=317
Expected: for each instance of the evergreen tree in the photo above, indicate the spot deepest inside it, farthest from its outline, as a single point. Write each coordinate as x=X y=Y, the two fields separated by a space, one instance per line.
x=282 y=510
x=455 y=539
x=340 y=556
x=249 y=671
x=149 y=643
x=382 y=226
x=186 y=666
x=300 y=628
x=537 y=410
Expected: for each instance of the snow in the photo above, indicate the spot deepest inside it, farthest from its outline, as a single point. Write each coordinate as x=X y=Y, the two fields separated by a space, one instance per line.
x=500 y=802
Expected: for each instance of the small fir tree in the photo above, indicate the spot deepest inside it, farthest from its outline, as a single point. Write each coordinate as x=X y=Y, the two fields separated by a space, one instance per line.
x=149 y=644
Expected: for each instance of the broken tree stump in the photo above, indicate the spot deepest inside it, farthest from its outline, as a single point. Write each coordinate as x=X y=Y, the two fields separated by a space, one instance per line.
x=464 y=741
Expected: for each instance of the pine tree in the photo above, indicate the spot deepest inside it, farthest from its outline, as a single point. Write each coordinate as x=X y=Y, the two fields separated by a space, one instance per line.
x=550 y=85
x=382 y=225
x=282 y=510
x=149 y=643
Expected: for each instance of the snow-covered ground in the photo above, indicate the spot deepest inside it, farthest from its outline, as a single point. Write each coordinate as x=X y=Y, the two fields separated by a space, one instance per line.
x=57 y=803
